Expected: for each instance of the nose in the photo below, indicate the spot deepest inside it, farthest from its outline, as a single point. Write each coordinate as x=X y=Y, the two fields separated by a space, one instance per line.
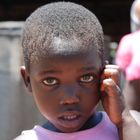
x=70 y=95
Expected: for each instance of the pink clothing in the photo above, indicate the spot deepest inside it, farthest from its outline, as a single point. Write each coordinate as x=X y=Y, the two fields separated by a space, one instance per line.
x=128 y=55
x=105 y=130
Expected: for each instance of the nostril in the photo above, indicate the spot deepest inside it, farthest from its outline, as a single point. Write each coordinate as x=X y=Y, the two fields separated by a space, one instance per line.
x=69 y=94
x=70 y=100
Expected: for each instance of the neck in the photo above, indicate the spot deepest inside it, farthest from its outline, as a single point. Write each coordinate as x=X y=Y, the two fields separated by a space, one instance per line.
x=92 y=121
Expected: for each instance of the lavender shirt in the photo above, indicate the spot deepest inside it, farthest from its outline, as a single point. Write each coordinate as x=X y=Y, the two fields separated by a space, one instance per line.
x=105 y=130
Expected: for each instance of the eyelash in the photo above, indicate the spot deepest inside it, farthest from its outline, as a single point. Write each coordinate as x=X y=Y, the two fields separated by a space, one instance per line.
x=90 y=76
x=50 y=81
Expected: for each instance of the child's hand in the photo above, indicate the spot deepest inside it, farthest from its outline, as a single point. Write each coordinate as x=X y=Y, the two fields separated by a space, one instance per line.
x=111 y=97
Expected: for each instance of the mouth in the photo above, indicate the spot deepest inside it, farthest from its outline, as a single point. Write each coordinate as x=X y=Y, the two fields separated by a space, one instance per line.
x=70 y=120
x=69 y=117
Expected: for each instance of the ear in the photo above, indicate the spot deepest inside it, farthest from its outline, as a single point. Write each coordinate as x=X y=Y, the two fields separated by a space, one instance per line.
x=26 y=78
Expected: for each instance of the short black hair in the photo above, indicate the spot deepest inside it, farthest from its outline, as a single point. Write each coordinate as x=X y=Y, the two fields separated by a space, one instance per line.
x=59 y=19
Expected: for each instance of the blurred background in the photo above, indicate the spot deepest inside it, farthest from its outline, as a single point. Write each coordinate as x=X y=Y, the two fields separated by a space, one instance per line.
x=17 y=109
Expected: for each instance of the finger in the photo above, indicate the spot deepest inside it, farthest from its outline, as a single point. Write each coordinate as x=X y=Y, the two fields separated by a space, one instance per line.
x=109 y=87
x=113 y=74
x=111 y=71
x=108 y=66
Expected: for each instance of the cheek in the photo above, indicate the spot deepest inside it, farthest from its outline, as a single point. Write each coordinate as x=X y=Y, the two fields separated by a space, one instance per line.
x=94 y=91
x=91 y=98
x=45 y=100
x=47 y=106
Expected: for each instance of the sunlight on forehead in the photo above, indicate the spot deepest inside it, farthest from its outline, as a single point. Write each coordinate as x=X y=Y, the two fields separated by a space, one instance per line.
x=67 y=46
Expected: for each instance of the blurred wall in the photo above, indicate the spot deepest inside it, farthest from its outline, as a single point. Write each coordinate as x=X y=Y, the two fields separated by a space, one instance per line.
x=17 y=109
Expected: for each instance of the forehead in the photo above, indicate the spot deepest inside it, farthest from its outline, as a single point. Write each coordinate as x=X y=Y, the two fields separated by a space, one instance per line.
x=68 y=50
x=69 y=56
x=69 y=47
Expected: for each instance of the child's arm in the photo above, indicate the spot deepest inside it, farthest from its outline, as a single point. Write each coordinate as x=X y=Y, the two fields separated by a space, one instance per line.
x=114 y=105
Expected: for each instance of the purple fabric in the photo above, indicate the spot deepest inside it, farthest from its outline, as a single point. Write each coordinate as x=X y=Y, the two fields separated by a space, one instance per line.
x=105 y=130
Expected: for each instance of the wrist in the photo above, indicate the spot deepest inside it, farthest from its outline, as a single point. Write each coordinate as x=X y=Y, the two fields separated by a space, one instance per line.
x=126 y=119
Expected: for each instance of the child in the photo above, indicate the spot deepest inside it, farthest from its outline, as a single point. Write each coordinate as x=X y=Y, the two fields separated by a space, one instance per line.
x=66 y=73
x=128 y=59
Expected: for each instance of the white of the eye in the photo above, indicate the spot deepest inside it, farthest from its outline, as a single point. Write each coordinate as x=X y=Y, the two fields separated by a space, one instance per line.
x=49 y=83
x=87 y=80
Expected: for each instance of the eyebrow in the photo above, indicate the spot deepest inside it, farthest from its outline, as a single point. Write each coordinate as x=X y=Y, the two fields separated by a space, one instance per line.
x=49 y=72
x=88 y=68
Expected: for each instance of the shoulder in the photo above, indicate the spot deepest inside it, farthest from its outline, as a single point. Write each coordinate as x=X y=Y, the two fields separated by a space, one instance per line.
x=107 y=127
x=21 y=137
x=26 y=135
x=135 y=115
x=107 y=123
x=130 y=38
x=124 y=45
x=126 y=40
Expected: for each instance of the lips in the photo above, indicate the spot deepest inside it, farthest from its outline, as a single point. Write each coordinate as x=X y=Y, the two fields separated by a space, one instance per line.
x=70 y=115
x=71 y=119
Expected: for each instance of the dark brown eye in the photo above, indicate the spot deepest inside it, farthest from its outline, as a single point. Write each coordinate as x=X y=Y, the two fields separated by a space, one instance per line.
x=87 y=78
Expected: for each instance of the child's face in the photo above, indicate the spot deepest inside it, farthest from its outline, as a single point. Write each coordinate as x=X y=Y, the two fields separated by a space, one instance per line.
x=66 y=88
